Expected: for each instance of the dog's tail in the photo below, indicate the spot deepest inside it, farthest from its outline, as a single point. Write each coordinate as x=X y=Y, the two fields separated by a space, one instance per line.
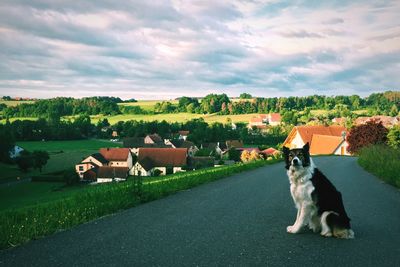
x=339 y=225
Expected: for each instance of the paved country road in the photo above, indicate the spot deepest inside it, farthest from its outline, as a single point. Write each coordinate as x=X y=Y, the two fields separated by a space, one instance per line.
x=236 y=221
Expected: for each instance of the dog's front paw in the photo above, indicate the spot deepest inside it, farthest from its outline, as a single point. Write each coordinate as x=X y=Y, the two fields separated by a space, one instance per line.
x=291 y=229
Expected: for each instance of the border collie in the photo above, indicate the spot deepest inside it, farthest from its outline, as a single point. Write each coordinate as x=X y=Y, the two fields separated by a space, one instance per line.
x=319 y=205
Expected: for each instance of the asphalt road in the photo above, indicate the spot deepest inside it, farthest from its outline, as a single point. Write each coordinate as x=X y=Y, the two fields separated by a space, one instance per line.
x=236 y=221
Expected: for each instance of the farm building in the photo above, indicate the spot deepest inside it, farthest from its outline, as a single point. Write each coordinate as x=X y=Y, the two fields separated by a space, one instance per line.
x=162 y=160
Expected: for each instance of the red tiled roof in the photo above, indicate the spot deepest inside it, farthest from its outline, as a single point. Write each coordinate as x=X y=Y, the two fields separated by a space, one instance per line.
x=269 y=151
x=307 y=131
x=324 y=144
x=275 y=117
x=163 y=157
x=249 y=149
x=115 y=154
x=255 y=120
x=184 y=132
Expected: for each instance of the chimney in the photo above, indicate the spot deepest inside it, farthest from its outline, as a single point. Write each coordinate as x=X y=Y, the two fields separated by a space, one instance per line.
x=344 y=135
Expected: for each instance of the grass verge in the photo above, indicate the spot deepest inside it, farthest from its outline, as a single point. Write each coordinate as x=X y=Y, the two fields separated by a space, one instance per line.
x=21 y=225
x=382 y=161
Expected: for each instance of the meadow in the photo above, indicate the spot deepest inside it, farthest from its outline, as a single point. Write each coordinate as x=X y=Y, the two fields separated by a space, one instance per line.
x=148 y=105
x=175 y=117
x=63 y=155
x=13 y=103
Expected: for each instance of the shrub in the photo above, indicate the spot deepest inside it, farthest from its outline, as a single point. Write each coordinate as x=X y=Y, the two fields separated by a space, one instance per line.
x=70 y=177
x=371 y=133
x=157 y=172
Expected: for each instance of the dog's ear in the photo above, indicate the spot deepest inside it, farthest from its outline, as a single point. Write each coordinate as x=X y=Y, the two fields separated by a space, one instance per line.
x=306 y=150
x=286 y=154
x=306 y=147
x=285 y=150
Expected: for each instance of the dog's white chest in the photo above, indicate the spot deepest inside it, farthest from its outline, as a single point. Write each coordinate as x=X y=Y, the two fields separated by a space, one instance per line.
x=302 y=192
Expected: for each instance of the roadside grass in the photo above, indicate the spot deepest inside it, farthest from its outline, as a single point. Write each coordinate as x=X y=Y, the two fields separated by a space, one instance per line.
x=382 y=161
x=26 y=194
x=20 y=225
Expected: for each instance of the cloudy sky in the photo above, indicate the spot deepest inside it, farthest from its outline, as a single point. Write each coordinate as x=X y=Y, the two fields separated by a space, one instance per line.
x=165 y=49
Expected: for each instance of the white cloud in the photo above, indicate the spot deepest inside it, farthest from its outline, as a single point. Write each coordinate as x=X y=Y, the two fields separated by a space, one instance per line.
x=172 y=48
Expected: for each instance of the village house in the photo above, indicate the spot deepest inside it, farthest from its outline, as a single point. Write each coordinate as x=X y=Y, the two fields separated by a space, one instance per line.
x=183 y=135
x=114 y=162
x=387 y=121
x=323 y=140
x=262 y=120
x=134 y=143
x=161 y=160
x=153 y=139
x=219 y=148
x=182 y=143
x=234 y=143
x=339 y=121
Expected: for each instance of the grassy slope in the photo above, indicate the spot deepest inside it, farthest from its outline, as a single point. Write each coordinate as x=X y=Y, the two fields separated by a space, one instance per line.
x=29 y=194
x=72 y=152
x=383 y=162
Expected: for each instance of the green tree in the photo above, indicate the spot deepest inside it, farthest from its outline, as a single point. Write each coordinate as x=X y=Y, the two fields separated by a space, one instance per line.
x=234 y=154
x=394 y=111
x=24 y=161
x=394 y=137
x=7 y=142
x=245 y=96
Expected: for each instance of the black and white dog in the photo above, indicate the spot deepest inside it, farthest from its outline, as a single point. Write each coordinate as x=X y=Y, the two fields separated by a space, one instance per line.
x=319 y=205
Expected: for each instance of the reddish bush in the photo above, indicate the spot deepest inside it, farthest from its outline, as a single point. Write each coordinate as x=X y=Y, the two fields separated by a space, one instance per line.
x=373 y=132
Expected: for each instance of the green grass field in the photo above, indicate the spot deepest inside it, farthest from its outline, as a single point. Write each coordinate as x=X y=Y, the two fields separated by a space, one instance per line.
x=63 y=155
x=69 y=145
x=148 y=105
x=29 y=194
x=175 y=117
x=13 y=103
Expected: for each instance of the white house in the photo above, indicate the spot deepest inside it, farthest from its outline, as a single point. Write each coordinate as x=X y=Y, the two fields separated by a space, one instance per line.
x=323 y=140
x=165 y=160
x=15 y=151
x=105 y=165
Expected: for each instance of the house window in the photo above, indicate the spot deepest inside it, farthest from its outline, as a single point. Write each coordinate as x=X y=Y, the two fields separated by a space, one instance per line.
x=80 y=168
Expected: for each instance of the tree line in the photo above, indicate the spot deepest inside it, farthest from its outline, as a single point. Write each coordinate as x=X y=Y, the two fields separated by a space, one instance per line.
x=387 y=103
x=65 y=106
